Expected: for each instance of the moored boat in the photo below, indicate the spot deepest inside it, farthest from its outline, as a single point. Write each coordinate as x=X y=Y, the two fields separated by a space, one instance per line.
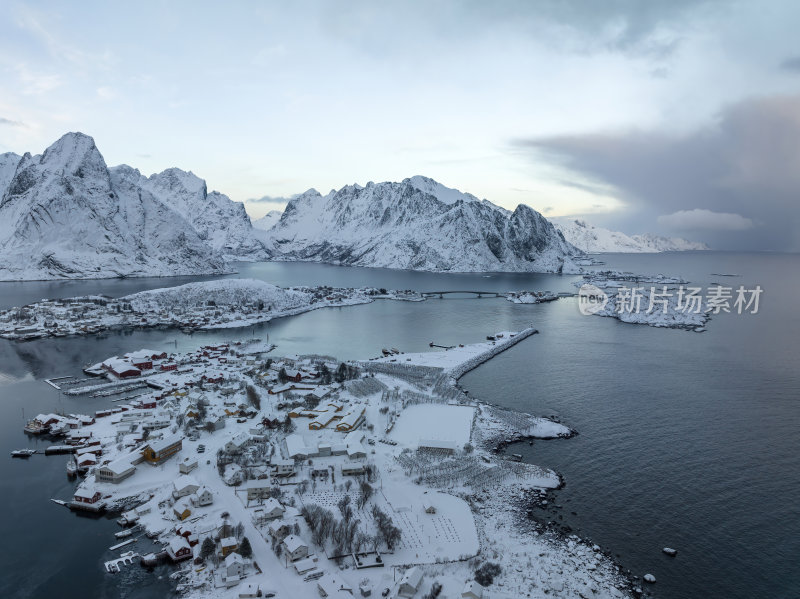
x=72 y=467
x=22 y=453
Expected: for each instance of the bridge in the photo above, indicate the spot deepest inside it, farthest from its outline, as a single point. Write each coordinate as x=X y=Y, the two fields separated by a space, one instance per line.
x=441 y=294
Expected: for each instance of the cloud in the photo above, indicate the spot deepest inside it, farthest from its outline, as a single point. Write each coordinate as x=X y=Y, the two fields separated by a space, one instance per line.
x=791 y=64
x=650 y=29
x=691 y=220
x=270 y=200
x=11 y=123
x=106 y=93
x=746 y=162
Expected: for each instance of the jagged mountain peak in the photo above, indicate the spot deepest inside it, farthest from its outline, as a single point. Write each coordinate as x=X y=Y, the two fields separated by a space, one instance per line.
x=418 y=224
x=65 y=214
x=71 y=151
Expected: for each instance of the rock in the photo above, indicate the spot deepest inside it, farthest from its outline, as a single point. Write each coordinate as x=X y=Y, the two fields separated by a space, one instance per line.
x=670 y=551
x=650 y=578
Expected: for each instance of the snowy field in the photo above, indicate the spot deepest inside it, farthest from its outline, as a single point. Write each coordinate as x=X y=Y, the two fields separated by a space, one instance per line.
x=436 y=422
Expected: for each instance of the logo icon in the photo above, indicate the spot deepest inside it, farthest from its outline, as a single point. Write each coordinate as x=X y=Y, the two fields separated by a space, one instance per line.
x=591 y=299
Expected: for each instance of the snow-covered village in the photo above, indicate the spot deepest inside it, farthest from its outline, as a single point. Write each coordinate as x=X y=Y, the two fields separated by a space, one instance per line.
x=400 y=299
x=299 y=476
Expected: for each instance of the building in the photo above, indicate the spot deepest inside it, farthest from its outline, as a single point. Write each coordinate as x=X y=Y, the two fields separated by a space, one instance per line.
x=122 y=369
x=448 y=447
x=234 y=567
x=472 y=590
x=203 y=497
x=157 y=452
x=116 y=471
x=258 y=490
x=228 y=545
x=353 y=469
x=410 y=583
x=331 y=586
x=187 y=465
x=295 y=548
x=179 y=549
x=87 y=499
x=272 y=509
x=237 y=443
x=351 y=420
x=283 y=467
x=184 y=486
x=279 y=529
x=181 y=509
x=321 y=421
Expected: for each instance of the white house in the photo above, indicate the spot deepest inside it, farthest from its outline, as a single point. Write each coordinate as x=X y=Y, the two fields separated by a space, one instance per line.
x=116 y=471
x=184 y=486
x=272 y=508
x=202 y=497
x=258 y=489
x=237 y=443
x=295 y=548
x=472 y=590
x=279 y=528
x=234 y=566
x=410 y=583
x=283 y=467
x=187 y=465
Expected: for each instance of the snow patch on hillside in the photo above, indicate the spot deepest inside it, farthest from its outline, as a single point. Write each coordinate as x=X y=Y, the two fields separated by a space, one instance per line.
x=592 y=239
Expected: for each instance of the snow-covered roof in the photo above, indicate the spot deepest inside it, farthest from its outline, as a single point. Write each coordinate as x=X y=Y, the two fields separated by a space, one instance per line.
x=177 y=543
x=293 y=543
x=472 y=587
x=296 y=446
x=233 y=558
x=412 y=577
x=185 y=481
x=272 y=504
x=258 y=484
x=229 y=542
x=120 y=466
x=163 y=443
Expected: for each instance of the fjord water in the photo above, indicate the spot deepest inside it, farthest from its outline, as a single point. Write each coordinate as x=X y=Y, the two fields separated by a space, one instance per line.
x=686 y=440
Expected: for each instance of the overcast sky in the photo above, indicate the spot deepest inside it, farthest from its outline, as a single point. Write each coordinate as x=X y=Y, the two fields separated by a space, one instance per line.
x=673 y=117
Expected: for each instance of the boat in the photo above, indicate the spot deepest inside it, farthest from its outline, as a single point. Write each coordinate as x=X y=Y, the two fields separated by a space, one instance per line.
x=515 y=457
x=124 y=533
x=72 y=467
x=489 y=337
x=386 y=352
x=34 y=427
x=22 y=453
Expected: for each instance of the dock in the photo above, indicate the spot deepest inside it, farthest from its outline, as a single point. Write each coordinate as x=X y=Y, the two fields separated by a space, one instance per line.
x=59 y=449
x=122 y=544
x=126 y=559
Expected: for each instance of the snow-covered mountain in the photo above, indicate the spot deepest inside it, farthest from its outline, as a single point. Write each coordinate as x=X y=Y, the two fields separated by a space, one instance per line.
x=589 y=238
x=266 y=222
x=223 y=223
x=65 y=214
x=417 y=224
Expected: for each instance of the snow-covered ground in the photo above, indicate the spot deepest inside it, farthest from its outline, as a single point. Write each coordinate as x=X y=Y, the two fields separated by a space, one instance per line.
x=222 y=303
x=427 y=460
x=653 y=300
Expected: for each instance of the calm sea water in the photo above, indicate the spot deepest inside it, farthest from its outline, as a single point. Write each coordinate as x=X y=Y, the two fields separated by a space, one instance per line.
x=686 y=440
